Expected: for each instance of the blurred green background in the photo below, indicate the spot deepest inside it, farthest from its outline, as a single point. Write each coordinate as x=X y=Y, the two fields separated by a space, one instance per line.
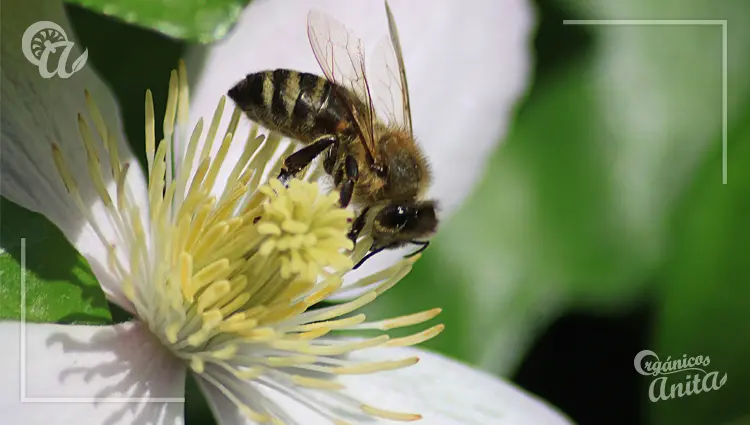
x=602 y=226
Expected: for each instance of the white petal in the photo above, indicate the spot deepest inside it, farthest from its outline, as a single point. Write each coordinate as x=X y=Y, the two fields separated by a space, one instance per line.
x=467 y=61
x=37 y=112
x=443 y=391
x=55 y=375
x=446 y=392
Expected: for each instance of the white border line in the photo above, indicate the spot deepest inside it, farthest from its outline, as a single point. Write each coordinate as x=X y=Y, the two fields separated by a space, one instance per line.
x=25 y=399
x=23 y=320
x=705 y=22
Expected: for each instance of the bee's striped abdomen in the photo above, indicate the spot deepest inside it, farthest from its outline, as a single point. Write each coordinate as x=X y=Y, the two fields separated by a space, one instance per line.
x=296 y=104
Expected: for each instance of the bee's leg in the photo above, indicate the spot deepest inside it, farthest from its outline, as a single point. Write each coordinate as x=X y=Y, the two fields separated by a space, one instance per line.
x=358 y=225
x=330 y=160
x=424 y=245
x=303 y=157
x=371 y=253
x=351 y=173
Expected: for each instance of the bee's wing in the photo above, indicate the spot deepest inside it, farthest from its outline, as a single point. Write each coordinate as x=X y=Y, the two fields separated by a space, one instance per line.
x=389 y=78
x=341 y=57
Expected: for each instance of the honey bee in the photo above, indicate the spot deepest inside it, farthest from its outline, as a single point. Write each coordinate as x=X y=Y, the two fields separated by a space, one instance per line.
x=375 y=163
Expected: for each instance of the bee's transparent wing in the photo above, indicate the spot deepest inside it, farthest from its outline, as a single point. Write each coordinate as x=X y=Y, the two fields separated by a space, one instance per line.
x=391 y=99
x=389 y=78
x=341 y=57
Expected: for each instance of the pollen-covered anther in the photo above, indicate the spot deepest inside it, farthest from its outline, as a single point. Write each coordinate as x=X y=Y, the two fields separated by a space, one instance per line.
x=305 y=229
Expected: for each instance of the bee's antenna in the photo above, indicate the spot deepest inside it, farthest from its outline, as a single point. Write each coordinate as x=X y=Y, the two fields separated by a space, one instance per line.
x=366 y=257
x=424 y=245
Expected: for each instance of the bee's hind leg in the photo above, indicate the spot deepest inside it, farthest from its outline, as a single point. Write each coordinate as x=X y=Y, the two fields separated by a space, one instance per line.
x=297 y=161
x=351 y=175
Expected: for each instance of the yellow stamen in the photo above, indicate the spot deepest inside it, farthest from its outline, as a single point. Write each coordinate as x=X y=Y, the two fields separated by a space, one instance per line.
x=122 y=175
x=329 y=350
x=289 y=361
x=67 y=178
x=403 y=321
x=226 y=273
x=307 y=336
x=417 y=338
x=96 y=115
x=213 y=170
x=197 y=364
x=184 y=96
x=333 y=324
x=387 y=414
x=213 y=128
x=318 y=384
x=150 y=131
x=372 y=367
x=114 y=157
x=225 y=353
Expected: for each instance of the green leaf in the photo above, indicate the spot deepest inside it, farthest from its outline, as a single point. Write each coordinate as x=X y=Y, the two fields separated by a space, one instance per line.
x=659 y=88
x=706 y=299
x=144 y=62
x=59 y=285
x=197 y=410
x=194 y=20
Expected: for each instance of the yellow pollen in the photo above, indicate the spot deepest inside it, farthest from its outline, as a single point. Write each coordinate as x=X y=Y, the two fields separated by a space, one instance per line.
x=229 y=272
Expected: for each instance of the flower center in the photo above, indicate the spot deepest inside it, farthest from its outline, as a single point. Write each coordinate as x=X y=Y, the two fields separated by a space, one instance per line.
x=225 y=274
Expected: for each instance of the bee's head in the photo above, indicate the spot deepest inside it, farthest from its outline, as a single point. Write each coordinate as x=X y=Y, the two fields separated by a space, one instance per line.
x=401 y=222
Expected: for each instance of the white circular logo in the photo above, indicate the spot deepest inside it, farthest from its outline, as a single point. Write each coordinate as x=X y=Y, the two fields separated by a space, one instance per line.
x=44 y=38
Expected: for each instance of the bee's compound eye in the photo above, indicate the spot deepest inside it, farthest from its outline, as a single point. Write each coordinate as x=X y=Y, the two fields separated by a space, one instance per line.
x=395 y=216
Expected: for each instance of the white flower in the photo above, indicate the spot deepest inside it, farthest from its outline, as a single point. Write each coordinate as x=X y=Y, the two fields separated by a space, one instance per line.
x=219 y=269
